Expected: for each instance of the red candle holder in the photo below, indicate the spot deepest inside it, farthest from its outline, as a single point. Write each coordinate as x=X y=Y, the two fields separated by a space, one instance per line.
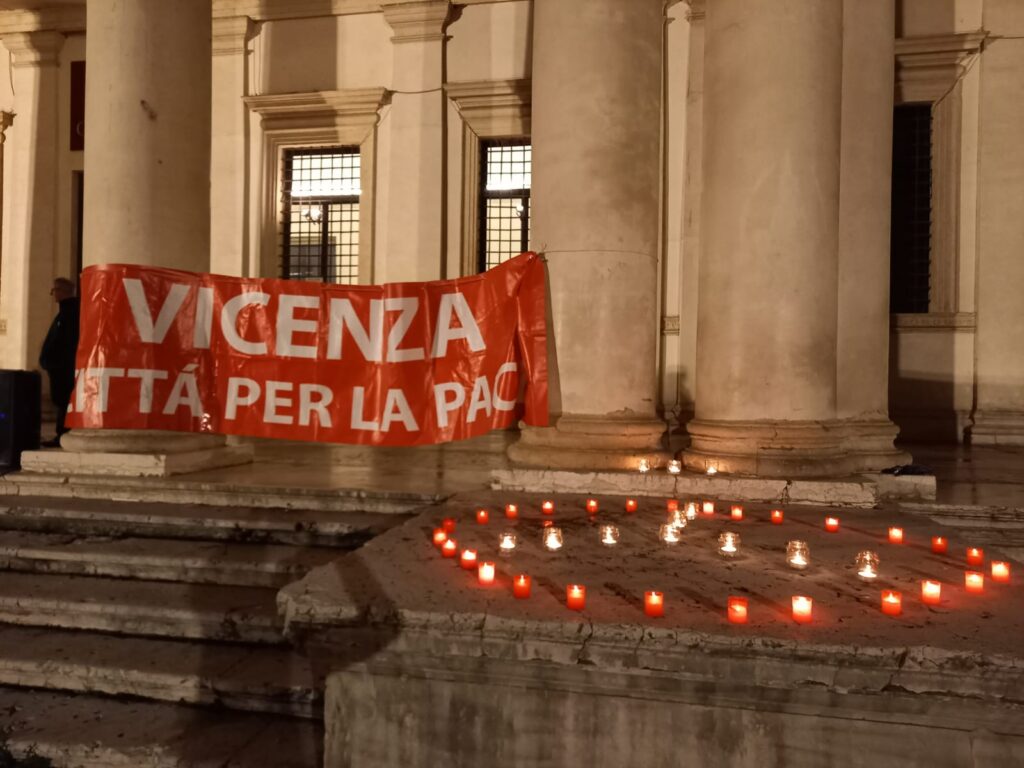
x=592 y=506
x=654 y=604
x=940 y=545
x=468 y=559
x=439 y=537
x=707 y=507
x=892 y=602
x=803 y=609
x=975 y=556
x=777 y=516
x=672 y=505
x=575 y=597
x=895 y=535
x=485 y=574
x=736 y=512
x=448 y=524
x=450 y=548
x=511 y=511
x=832 y=524
x=482 y=516
x=521 y=586
x=974 y=582
x=548 y=507
x=1000 y=571
x=736 y=610
x=631 y=505
x=931 y=592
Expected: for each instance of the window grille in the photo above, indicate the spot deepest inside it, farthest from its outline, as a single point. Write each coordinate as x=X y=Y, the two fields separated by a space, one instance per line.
x=320 y=227
x=910 y=243
x=504 y=200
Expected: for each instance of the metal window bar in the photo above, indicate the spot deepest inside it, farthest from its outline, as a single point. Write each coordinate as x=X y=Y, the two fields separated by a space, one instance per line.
x=910 y=241
x=504 y=212
x=320 y=222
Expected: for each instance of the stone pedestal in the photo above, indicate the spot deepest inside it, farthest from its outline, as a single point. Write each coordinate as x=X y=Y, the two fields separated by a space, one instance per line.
x=147 y=191
x=596 y=177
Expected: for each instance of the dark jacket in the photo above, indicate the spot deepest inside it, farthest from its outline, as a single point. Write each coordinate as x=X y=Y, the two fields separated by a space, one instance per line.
x=61 y=342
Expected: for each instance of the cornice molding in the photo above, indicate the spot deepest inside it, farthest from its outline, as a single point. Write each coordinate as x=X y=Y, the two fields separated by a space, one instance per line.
x=232 y=34
x=63 y=18
x=416 y=21
x=934 y=321
x=929 y=65
x=354 y=108
x=697 y=10
x=271 y=10
x=34 y=49
x=493 y=107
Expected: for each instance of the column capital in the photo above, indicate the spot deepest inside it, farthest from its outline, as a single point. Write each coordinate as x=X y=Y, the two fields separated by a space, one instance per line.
x=34 y=49
x=6 y=119
x=698 y=9
x=417 y=20
x=232 y=34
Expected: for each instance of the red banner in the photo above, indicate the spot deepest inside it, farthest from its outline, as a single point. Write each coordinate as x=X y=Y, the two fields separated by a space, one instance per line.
x=398 y=364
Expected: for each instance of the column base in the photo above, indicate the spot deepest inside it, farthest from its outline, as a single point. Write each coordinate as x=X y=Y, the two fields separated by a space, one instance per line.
x=585 y=443
x=869 y=445
x=136 y=453
x=997 y=428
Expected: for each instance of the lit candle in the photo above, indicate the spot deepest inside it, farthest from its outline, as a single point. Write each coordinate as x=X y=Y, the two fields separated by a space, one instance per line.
x=511 y=511
x=736 y=512
x=974 y=582
x=654 y=604
x=831 y=524
x=644 y=465
x=548 y=507
x=892 y=602
x=691 y=511
x=672 y=505
x=521 y=586
x=675 y=466
x=485 y=573
x=712 y=471
x=1000 y=571
x=450 y=548
x=609 y=535
x=669 y=534
x=940 y=545
x=798 y=555
x=468 y=559
x=737 y=610
x=728 y=544
x=677 y=519
x=575 y=596
x=631 y=505
x=482 y=516
x=867 y=566
x=506 y=542
x=803 y=609
x=591 y=506
x=895 y=535
x=931 y=592
x=707 y=507
x=440 y=537
x=448 y=524
x=777 y=516
x=975 y=556
x=553 y=538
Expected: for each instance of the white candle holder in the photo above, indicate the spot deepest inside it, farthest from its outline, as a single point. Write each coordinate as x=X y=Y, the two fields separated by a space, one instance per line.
x=867 y=565
x=728 y=544
x=506 y=543
x=552 y=538
x=798 y=555
x=675 y=467
x=609 y=535
x=677 y=519
x=669 y=534
x=691 y=511
x=644 y=465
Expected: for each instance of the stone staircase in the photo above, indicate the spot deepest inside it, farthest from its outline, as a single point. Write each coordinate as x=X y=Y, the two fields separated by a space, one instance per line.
x=147 y=635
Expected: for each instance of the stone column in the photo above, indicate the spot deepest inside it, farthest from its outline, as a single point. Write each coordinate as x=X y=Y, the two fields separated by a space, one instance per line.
x=767 y=316
x=411 y=234
x=596 y=117
x=6 y=118
x=229 y=226
x=999 y=372
x=147 y=192
x=862 y=364
x=30 y=249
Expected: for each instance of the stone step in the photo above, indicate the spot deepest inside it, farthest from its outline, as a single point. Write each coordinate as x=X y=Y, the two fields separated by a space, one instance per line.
x=196 y=611
x=202 y=562
x=102 y=517
x=80 y=731
x=253 y=678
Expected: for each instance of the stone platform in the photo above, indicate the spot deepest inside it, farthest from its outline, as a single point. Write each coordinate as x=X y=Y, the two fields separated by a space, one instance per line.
x=427 y=668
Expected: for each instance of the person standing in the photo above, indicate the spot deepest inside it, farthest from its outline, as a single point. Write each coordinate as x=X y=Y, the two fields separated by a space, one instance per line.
x=57 y=357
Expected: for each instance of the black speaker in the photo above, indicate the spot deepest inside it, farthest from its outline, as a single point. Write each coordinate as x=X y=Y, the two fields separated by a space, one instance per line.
x=19 y=416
